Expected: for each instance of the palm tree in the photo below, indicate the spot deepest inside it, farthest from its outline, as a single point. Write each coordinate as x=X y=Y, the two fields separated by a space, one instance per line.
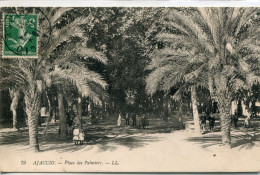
x=15 y=95
x=218 y=48
x=171 y=68
x=58 y=60
x=74 y=75
x=195 y=110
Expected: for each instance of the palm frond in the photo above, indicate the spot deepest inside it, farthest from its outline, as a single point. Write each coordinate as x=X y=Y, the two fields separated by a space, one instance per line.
x=244 y=15
x=193 y=75
x=168 y=56
x=75 y=71
x=251 y=79
x=195 y=33
x=57 y=13
x=82 y=83
x=179 y=93
x=208 y=23
x=65 y=34
x=172 y=38
x=74 y=51
x=164 y=78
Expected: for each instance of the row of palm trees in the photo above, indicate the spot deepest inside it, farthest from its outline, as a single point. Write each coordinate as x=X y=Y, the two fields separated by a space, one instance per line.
x=216 y=48
x=61 y=63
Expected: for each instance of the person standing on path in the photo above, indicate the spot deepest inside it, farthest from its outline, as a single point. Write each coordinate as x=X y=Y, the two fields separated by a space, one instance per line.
x=76 y=122
x=212 y=123
x=119 y=120
x=127 y=120
x=134 y=119
x=235 y=118
x=203 y=121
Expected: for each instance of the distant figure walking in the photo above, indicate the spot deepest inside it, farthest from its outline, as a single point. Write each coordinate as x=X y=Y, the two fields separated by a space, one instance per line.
x=76 y=122
x=134 y=119
x=145 y=122
x=247 y=119
x=247 y=122
x=203 y=121
x=126 y=120
x=78 y=134
x=81 y=137
x=119 y=120
x=138 y=122
x=235 y=118
x=211 y=122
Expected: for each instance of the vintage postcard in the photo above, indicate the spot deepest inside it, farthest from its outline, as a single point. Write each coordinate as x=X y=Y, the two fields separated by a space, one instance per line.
x=129 y=88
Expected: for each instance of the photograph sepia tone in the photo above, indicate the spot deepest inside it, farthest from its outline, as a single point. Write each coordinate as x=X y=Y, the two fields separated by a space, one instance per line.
x=130 y=89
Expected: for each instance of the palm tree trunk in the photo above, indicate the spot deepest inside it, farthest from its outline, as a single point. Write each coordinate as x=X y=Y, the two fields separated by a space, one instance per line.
x=80 y=110
x=48 y=118
x=90 y=108
x=166 y=114
x=180 y=115
x=233 y=107
x=62 y=116
x=225 y=123
x=195 y=110
x=224 y=99
x=103 y=108
x=15 y=98
x=180 y=118
x=32 y=101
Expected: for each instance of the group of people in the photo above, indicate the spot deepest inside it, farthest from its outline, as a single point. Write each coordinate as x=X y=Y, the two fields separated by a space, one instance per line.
x=139 y=121
x=247 y=120
x=234 y=119
x=211 y=121
x=203 y=122
x=74 y=122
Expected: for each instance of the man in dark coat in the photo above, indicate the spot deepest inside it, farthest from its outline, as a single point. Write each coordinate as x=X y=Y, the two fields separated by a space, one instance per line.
x=134 y=119
x=203 y=121
x=235 y=118
x=211 y=123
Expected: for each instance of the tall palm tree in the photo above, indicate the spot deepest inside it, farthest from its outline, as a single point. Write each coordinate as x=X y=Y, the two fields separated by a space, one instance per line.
x=219 y=45
x=74 y=75
x=172 y=68
x=58 y=60
x=15 y=95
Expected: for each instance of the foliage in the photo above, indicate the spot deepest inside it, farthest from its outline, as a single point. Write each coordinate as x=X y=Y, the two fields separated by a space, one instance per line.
x=206 y=42
x=63 y=58
x=60 y=62
x=217 y=48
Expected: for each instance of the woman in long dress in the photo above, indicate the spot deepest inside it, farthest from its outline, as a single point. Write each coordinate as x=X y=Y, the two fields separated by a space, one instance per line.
x=119 y=120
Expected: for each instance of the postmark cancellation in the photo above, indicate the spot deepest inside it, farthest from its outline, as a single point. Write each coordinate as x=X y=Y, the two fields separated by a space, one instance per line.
x=20 y=36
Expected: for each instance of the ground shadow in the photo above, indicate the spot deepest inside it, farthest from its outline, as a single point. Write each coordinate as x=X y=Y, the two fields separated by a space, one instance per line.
x=241 y=137
x=106 y=137
x=18 y=137
x=245 y=138
x=206 y=140
x=105 y=141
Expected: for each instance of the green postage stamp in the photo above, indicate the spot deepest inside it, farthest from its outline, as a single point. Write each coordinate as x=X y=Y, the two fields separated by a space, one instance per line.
x=20 y=36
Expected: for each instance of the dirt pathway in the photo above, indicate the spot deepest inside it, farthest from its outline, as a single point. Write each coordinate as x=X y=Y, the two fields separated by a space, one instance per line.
x=174 y=151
